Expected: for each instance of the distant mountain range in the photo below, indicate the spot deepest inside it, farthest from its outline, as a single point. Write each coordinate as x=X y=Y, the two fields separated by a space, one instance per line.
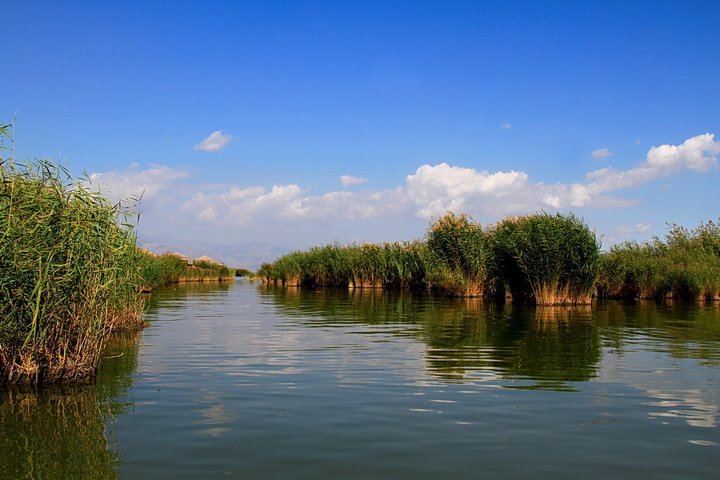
x=242 y=255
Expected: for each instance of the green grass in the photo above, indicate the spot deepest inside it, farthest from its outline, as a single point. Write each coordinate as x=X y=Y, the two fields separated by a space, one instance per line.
x=543 y=259
x=70 y=274
x=166 y=269
x=685 y=265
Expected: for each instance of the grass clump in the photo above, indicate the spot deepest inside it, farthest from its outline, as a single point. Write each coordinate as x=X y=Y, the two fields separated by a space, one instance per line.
x=685 y=265
x=169 y=268
x=458 y=256
x=545 y=259
x=70 y=274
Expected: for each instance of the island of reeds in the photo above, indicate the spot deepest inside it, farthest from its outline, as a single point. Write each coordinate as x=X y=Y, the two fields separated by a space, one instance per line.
x=538 y=259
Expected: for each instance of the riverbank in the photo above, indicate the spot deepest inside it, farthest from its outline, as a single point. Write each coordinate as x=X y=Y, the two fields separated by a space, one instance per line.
x=170 y=268
x=536 y=259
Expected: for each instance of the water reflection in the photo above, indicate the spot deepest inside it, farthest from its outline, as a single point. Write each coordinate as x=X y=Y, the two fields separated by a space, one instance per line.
x=274 y=383
x=465 y=338
x=682 y=330
x=63 y=432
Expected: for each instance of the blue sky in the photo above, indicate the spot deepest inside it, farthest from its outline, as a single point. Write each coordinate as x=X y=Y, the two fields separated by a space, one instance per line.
x=240 y=120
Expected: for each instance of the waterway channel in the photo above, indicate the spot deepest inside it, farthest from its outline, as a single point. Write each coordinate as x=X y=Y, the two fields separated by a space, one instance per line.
x=250 y=381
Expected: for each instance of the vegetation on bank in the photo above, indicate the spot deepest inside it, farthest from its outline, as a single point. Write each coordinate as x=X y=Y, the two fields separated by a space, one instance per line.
x=70 y=274
x=685 y=265
x=169 y=268
x=539 y=259
x=545 y=259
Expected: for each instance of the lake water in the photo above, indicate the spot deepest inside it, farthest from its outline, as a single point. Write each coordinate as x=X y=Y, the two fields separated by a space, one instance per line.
x=250 y=381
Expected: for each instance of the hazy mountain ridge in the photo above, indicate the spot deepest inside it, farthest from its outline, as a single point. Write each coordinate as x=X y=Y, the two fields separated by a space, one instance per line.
x=242 y=255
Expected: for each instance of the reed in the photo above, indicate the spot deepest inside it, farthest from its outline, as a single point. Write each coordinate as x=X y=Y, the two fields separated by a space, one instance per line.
x=458 y=256
x=545 y=259
x=166 y=269
x=685 y=265
x=70 y=274
x=160 y=270
x=387 y=265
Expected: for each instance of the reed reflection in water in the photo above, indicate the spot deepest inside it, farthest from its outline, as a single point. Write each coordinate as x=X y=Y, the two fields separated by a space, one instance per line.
x=263 y=382
x=543 y=347
x=61 y=432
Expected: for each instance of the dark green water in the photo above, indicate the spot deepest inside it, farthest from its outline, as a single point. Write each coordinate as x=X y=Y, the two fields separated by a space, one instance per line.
x=252 y=382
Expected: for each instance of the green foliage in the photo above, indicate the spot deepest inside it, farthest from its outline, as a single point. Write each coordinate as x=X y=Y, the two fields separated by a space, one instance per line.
x=460 y=259
x=160 y=270
x=686 y=265
x=70 y=274
x=459 y=255
x=542 y=259
x=166 y=269
x=545 y=259
x=243 y=272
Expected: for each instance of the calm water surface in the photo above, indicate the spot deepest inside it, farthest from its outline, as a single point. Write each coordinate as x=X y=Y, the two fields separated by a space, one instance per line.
x=248 y=381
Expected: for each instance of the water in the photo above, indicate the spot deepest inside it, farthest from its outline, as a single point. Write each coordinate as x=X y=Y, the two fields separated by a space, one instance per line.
x=247 y=381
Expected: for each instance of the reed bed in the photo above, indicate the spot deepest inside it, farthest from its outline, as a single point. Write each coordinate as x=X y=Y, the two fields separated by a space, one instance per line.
x=546 y=259
x=685 y=265
x=354 y=266
x=70 y=274
x=542 y=259
x=166 y=269
x=458 y=256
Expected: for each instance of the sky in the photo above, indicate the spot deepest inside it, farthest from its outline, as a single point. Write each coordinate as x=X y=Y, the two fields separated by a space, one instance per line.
x=255 y=128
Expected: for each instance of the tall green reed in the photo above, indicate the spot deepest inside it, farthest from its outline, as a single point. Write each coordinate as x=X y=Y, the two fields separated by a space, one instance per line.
x=70 y=274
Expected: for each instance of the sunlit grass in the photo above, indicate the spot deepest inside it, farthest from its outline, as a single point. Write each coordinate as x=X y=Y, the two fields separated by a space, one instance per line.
x=70 y=274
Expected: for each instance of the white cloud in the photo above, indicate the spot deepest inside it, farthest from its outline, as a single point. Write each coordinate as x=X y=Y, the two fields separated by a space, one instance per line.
x=636 y=229
x=601 y=154
x=151 y=183
x=697 y=153
x=428 y=192
x=350 y=180
x=436 y=189
x=506 y=125
x=245 y=206
x=214 y=143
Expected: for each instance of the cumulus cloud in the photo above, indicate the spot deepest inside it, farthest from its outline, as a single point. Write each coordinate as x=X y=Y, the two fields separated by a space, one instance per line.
x=214 y=143
x=436 y=189
x=428 y=192
x=348 y=180
x=506 y=125
x=698 y=153
x=601 y=154
x=151 y=183
x=243 y=206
